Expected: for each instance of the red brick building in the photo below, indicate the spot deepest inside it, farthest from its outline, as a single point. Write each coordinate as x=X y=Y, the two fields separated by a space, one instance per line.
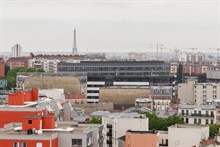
x=17 y=62
x=2 y=67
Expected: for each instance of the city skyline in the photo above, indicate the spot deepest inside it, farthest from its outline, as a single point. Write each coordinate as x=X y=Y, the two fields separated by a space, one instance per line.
x=109 y=26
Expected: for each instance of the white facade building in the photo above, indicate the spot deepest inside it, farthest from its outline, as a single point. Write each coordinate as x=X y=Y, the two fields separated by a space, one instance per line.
x=46 y=64
x=191 y=57
x=192 y=114
x=204 y=92
x=187 y=135
x=16 y=50
x=115 y=125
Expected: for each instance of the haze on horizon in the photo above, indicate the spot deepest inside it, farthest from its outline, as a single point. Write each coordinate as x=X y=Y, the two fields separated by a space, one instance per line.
x=109 y=25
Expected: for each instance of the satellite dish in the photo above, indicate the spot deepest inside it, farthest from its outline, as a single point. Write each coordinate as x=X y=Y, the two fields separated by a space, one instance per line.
x=29 y=131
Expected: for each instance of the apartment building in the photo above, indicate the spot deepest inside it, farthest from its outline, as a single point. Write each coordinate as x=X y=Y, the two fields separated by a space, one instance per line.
x=204 y=92
x=115 y=126
x=202 y=114
x=187 y=135
x=161 y=96
x=49 y=65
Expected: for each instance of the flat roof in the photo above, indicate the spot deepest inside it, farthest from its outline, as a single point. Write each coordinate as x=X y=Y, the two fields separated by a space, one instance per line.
x=144 y=132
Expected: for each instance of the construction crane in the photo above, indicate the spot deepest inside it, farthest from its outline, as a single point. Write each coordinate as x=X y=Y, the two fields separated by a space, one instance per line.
x=217 y=55
x=158 y=46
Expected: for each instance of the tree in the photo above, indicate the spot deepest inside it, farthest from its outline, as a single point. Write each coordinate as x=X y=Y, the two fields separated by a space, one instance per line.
x=179 y=73
x=7 y=69
x=40 y=70
x=95 y=120
x=213 y=130
x=157 y=123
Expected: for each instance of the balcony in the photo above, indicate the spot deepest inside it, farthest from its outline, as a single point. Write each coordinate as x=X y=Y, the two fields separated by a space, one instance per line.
x=196 y=115
x=202 y=115
x=109 y=126
x=109 y=142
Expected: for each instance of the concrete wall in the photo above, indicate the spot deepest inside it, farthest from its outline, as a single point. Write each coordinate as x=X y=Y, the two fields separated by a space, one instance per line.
x=187 y=136
x=91 y=107
x=122 y=97
x=186 y=92
x=68 y=83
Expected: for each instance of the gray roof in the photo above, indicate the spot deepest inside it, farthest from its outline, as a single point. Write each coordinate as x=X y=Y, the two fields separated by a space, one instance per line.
x=165 y=113
x=137 y=109
x=203 y=107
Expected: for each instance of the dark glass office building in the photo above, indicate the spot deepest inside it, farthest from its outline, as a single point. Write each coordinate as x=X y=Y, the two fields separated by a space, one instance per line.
x=107 y=73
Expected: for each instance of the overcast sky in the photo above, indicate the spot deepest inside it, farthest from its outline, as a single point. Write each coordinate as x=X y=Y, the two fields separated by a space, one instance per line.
x=109 y=25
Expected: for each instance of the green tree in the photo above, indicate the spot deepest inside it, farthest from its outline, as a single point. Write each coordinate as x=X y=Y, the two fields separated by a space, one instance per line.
x=157 y=123
x=40 y=70
x=11 y=82
x=7 y=69
x=179 y=73
x=213 y=130
x=95 y=120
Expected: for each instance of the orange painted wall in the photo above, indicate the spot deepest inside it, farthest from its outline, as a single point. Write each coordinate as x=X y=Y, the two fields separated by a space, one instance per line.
x=48 y=122
x=16 y=99
x=55 y=142
x=35 y=94
x=35 y=124
x=141 y=140
x=30 y=143
x=20 y=97
x=13 y=116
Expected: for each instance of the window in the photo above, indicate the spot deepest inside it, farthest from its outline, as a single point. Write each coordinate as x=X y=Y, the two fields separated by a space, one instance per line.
x=212 y=114
x=204 y=86
x=182 y=112
x=29 y=121
x=206 y=121
x=187 y=112
x=15 y=144
x=76 y=141
x=23 y=144
x=199 y=121
x=211 y=121
x=39 y=144
x=187 y=120
x=195 y=121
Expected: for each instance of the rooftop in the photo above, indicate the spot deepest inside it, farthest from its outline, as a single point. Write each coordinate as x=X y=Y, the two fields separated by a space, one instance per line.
x=125 y=115
x=202 y=107
x=188 y=126
x=144 y=132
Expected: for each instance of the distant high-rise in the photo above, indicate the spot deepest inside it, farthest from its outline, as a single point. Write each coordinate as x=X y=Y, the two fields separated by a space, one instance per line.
x=16 y=51
x=74 y=50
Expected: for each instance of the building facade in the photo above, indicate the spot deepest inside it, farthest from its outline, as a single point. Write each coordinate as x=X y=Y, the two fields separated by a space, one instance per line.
x=16 y=51
x=187 y=135
x=115 y=126
x=193 y=114
x=161 y=96
x=118 y=73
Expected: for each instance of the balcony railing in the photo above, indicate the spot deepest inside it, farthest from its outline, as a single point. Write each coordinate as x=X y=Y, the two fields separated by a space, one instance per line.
x=196 y=114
